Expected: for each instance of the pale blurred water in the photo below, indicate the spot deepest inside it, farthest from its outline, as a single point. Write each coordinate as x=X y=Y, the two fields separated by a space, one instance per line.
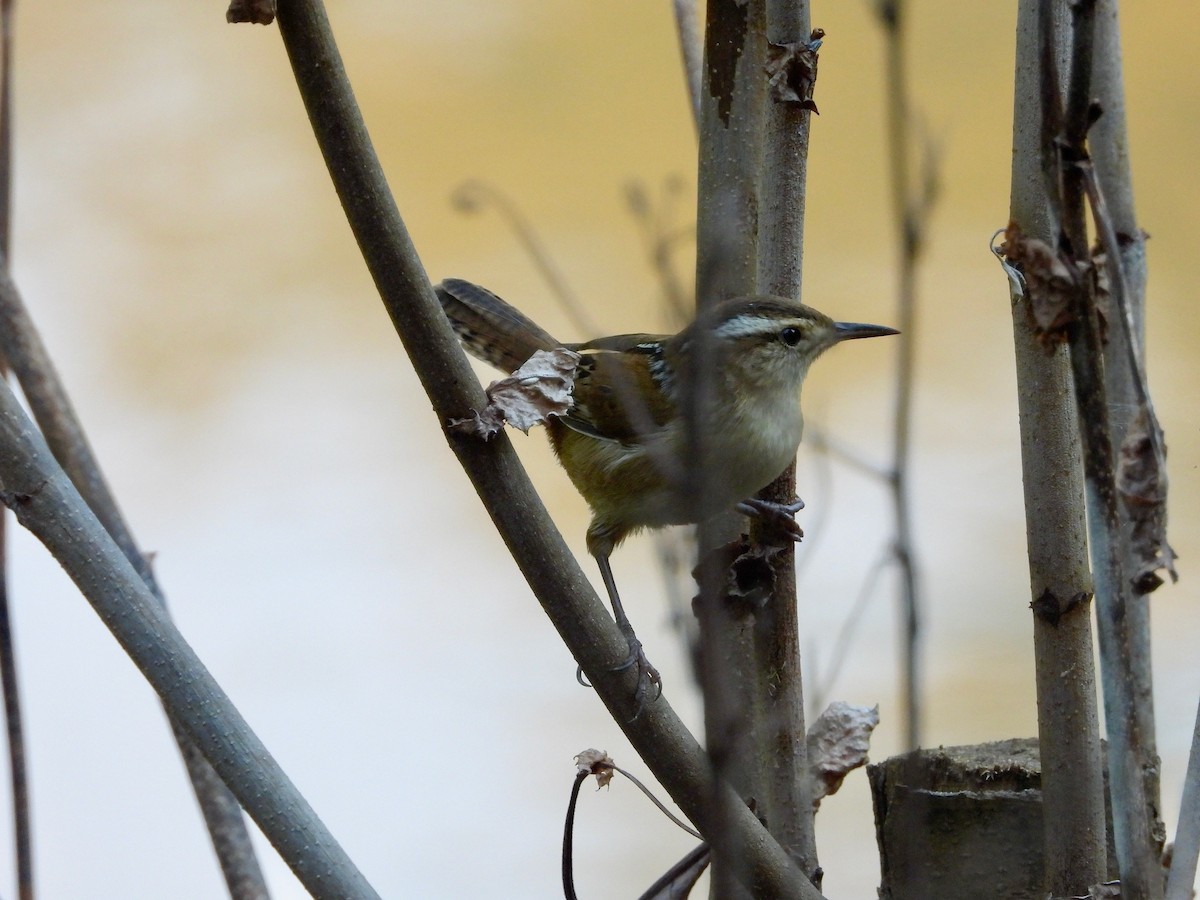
x=181 y=247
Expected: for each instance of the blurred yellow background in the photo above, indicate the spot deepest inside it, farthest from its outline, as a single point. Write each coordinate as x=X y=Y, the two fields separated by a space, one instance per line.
x=179 y=243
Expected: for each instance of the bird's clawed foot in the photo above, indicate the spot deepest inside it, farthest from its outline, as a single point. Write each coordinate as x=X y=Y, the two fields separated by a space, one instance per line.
x=781 y=515
x=649 y=683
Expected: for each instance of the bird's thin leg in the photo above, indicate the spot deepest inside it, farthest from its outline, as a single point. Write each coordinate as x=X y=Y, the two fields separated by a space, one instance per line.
x=782 y=515
x=647 y=675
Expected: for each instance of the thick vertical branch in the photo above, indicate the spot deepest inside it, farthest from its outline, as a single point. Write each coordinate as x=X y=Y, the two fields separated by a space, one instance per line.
x=502 y=484
x=787 y=804
x=1060 y=584
x=731 y=102
x=1066 y=139
x=727 y=234
x=1110 y=154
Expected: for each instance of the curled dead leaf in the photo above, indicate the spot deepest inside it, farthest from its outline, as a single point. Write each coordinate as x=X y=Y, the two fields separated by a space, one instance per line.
x=792 y=71
x=598 y=763
x=1142 y=485
x=837 y=744
x=541 y=388
x=256 y=12
x=1050 y=282
x=747 y=572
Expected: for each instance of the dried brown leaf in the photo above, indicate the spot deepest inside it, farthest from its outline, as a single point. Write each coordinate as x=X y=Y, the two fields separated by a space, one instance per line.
x=1142 y=484
x=747 y=572
x=257 y=12
x=837 y=744
x=598 y=763
x=1050 y=282
x=792 y=71
x=541 y=388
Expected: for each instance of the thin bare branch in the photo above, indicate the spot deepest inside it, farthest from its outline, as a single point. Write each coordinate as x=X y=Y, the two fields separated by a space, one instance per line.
x=502 y=484
x=1182 y=877
x=840 y=651
x=473 y=196
x=911 y=205
x=18 y=774
x=23 y=347
x=45 y=501
x=688 y=30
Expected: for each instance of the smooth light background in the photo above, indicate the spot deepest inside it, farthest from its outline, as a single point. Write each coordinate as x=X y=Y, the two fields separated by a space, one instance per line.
x=181 y=247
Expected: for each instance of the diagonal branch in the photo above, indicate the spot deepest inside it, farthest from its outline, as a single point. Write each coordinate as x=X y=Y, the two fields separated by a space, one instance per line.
x=45 y=501
x=501 y=482
x=52 y=408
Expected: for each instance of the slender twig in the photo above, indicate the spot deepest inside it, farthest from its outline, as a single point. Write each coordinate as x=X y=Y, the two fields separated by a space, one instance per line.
x=18 y=775
x=568 y=844
x=1182 y=878
x=910 y=208
x=820 y=440
x=661 y=806
x=678 y=880
x=841 y=644
x=475 y=194
x=688 y=31
x=46 y=502
x=503 y=485
x=662 y=237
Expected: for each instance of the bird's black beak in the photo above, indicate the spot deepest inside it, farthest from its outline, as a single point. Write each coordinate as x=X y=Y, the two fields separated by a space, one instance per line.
x=848 y=331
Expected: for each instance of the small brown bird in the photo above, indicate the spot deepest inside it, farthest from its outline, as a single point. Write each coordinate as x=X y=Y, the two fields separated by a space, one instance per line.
x=624 y=442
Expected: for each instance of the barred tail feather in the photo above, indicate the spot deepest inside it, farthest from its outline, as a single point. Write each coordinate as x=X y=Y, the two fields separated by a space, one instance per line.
x=491 y=329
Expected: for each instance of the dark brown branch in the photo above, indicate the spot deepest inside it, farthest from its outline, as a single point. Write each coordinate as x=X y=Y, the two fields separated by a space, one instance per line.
x=1111 y=156
x=499 y=479
x=1137 y=859
x=788 y=802
x=18 y=775
x=1056 y=535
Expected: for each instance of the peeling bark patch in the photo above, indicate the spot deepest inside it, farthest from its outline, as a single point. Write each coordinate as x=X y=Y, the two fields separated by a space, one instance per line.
x=725 y=40
x=748 y=573
x=1142 y=485
x=1050 y=608
x=1051 y=283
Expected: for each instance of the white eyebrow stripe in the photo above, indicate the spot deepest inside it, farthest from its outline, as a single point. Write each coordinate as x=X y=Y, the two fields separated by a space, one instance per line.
x=752 y=325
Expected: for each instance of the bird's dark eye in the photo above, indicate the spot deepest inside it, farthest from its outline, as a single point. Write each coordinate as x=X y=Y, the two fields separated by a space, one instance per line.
x=791 y=335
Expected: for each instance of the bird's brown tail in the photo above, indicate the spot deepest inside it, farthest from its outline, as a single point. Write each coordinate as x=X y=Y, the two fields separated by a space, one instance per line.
x=489 y=328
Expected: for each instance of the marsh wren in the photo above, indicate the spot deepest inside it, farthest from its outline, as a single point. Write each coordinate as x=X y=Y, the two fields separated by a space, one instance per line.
x=625 y=442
